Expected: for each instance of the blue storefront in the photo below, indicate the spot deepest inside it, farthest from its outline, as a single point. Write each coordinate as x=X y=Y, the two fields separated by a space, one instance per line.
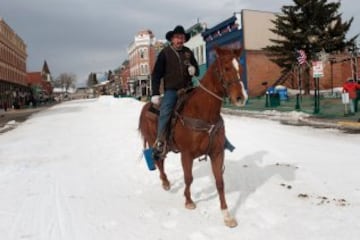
x=225 y=34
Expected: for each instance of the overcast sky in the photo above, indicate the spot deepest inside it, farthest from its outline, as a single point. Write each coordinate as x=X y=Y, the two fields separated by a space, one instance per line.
x=83 y=36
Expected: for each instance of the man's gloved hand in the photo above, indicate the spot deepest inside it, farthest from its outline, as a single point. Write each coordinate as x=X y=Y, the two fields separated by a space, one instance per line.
x=155 y=99
x=191 y=70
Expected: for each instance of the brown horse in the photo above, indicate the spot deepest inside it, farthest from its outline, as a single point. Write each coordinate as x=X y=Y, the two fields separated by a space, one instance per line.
x=199 y=128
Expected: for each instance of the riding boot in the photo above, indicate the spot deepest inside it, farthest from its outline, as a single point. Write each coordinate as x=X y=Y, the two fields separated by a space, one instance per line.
x=159 y=150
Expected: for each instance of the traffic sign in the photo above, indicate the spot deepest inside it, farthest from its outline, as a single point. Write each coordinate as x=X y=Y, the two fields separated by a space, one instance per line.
x=318 y=69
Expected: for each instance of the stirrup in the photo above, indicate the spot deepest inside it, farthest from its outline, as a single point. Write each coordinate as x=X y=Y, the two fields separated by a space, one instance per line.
x=159 y=150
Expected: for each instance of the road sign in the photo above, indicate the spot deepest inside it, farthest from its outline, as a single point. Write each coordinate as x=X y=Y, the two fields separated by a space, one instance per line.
x=318 y=69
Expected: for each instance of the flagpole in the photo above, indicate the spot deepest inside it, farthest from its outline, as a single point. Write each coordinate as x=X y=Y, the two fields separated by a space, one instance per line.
x=301 y=59
x=299 y=77
x=298 y=96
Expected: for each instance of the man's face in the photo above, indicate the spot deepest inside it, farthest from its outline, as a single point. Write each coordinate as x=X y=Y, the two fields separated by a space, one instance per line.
x=178 y=40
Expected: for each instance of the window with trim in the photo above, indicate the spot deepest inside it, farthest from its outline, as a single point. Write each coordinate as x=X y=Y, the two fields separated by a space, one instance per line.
x=201 y=57
x=141 y=53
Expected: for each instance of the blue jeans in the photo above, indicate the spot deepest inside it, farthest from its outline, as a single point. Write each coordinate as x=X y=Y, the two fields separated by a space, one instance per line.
x=167 y=106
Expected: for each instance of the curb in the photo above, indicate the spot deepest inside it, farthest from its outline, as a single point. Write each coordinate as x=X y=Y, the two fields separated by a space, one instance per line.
x=297 y=119
x=348 y=124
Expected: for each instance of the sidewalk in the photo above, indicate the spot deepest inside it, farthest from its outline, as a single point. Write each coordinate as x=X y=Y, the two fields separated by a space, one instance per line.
x=11 y=118
x=332 y=116
x=331 y=112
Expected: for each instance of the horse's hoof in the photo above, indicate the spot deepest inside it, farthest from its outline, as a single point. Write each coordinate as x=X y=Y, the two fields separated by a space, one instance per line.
x=166 y=186
x=190 y=205
x=231 y=222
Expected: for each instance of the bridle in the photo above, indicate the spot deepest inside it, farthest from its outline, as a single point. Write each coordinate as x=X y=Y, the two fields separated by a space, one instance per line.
x=221 y=76
x=210 y=92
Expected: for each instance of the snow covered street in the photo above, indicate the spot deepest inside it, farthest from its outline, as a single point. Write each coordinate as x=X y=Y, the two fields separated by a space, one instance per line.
x=75 y=171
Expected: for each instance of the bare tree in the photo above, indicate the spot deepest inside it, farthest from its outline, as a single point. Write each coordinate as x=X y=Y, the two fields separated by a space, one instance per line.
x=66 y=80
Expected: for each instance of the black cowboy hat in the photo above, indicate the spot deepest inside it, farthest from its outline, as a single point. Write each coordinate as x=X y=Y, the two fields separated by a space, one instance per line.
x=177 y=30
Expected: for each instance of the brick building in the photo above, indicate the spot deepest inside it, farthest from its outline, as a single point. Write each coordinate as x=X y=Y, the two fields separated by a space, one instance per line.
x=250 y=29
x=13 y=86
x=142 y=54
x=40 y=84
x=125 y=79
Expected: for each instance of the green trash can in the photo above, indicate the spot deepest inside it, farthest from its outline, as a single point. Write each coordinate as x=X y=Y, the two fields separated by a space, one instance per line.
x=274 y=99
x=357 y=100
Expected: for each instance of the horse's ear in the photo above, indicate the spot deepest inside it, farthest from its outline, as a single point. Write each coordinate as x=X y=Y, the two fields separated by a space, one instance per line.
x=238 y=51
x=218 y=50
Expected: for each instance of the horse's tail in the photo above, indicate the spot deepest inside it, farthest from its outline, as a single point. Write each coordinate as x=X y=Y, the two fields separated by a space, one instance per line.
x=143 y=126
x=140 y=126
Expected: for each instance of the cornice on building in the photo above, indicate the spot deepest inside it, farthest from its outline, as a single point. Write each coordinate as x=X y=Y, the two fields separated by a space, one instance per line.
x=13 y=63
x=9 y=37
x=218 y=30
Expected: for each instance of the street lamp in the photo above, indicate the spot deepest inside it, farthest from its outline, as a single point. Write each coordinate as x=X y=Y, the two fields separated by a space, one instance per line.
x=312 y=40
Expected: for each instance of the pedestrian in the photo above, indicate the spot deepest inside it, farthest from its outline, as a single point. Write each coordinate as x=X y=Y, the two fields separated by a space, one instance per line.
x=175 y=66
x=350 y=87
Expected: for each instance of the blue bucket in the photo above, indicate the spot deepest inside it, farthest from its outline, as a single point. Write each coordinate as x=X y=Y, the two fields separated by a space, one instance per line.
x=149 y=159
x=283 y=94
x=271 y=90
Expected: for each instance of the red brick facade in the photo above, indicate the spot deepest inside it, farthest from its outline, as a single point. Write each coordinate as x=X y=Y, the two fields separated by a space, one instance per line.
x=261 y=70
x=142 y=55
x=12 y=56
x=124 y=78
x=37 y=79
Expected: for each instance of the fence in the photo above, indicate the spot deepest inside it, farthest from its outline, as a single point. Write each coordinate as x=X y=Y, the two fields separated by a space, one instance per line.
x=331 y=106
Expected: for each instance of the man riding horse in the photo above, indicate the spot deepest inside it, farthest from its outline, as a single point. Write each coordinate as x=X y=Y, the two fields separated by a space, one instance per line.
x=176 y=65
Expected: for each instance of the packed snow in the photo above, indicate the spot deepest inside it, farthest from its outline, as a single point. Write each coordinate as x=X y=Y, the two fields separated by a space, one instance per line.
x=76 y=171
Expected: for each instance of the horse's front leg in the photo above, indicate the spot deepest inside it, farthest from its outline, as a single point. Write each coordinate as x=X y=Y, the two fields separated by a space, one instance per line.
x=187 y=164
x=217 y=167
x=165 y=182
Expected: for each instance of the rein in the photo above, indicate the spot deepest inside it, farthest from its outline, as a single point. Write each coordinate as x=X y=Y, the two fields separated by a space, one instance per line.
x=210 y=92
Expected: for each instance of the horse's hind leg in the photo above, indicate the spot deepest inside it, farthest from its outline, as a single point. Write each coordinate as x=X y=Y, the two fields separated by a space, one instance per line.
x=165 y=182
x=217 y=167
x=187 y=164
x=149 y=133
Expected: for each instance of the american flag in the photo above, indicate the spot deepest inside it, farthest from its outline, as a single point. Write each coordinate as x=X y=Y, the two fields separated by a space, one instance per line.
x=301 y=56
